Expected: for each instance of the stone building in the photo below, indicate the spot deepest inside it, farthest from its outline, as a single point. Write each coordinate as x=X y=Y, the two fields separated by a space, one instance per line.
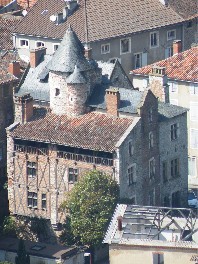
x=180 y=77
x=73 y=115
x=137 y=33
x=155 y=234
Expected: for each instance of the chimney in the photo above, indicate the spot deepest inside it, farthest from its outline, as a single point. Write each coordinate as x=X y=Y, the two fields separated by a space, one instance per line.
x=88 y=53
x=119 y=223
x=37 y=56
x=65 y=12
x=14 y=68
x=158 y=83
x=177 y=46
x=23 y=108
x=72 y=4
x=112 y=101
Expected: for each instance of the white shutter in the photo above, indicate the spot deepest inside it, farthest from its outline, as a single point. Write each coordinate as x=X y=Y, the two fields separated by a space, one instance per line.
x=194 y=138
x=194 y=111
x=166 y=53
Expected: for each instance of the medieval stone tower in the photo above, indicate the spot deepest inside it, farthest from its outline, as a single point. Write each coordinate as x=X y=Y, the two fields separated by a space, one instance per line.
x=70 y=77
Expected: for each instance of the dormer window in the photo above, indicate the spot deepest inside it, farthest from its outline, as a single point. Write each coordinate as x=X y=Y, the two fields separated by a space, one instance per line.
x=55 y=46
x=57 y=91
x=24 y=43
x=40 y=44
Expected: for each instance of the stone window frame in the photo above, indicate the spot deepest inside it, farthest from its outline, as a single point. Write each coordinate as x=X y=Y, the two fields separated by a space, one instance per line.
x=151 y=139
x=103 y=48
x=152 y=168
x=121 y=45
x=193 y=160
x=158 y=257
x=44 y=201
x=171 y=37
x=73 y=174
x=193 y=89
x=130 y=148
x=31 y=169
x=132 y=174
x=26 y=43
x=173 y=87
x=174 y=131
x=42 y=44
x=32 y=199
x=154 y=41
x=175 y=168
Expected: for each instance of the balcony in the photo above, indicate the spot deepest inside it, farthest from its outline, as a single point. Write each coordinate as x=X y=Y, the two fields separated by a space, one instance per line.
x=85 y=158
x=30 y=150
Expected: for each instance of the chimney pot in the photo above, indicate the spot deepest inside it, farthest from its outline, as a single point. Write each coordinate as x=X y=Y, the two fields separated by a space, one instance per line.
x=36 y=56
x=112 y=101
x=177 y=46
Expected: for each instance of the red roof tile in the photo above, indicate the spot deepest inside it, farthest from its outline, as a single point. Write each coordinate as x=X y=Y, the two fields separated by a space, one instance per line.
x=105 y=19
x=182 y=66
x=94 y=131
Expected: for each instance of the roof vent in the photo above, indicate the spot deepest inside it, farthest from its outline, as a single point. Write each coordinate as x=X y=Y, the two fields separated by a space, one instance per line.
x=164 y=2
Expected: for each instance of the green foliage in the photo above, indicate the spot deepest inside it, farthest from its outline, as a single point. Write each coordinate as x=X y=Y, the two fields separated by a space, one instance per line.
x=22 y=256
x=66 y=236
x=9 y=226
x=91 y=204
x=5 y=262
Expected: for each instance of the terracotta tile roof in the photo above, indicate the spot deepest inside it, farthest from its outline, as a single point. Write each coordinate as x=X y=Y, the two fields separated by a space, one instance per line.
x=7 y=25
x=94 y=131
x=182 y=66
x=5 y=58
x=24 y=3
x=104 y=19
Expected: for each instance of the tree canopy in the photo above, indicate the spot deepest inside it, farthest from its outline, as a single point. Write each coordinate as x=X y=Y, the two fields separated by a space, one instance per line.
x=22 y=256
x=91 y=204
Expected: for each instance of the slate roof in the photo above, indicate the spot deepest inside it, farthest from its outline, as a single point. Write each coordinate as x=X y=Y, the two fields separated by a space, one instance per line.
x=129 y=99
x=168 y=110
x=94 y=131
x=76 y=77
x=104 y=19
x=182 y=66
x=69 y=54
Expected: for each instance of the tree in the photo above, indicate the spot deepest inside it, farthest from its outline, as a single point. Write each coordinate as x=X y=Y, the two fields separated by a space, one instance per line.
x=22 y=256
x=91 y=204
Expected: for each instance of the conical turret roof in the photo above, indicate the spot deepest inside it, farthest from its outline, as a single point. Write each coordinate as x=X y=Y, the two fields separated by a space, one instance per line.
x=69 y=53
x=76 y=77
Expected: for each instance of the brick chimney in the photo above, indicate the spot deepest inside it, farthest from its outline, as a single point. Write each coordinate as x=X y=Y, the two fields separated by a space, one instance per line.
x=14 y=68
x=177 y=46
x=112 y=101
x=37 y=56
x=158 y=83
x=23 y=108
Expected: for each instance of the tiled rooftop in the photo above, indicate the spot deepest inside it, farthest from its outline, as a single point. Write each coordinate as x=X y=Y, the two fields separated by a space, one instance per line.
x=182 y=66
x=104 y=19
x=92 y=131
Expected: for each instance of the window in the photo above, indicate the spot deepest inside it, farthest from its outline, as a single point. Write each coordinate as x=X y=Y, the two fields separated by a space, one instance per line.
x=138 y=60
x=168 y=52
x=174 y=101
x=24 y=43
x=158 y=258
x=73 y=175
x=171 y=34
x=132 y=174
x=131 y=149
x=174 y=131
x=105 y=48
x=192 y=167
x=194 y=111
x=152 y=168
x=32 y=199
x=43 y=201
x=193 y=89
x=40 y=44
x=57 y=92
x=31 y=169
x=55 y=47
x=194 y=138
x=150 y=115
x=164 y=171
x=173 y=87
x=154 y=39
x=125 y=45
x=175 y=168
x=150 y=139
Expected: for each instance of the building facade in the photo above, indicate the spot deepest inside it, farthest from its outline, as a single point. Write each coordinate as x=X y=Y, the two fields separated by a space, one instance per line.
x=71 y=116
